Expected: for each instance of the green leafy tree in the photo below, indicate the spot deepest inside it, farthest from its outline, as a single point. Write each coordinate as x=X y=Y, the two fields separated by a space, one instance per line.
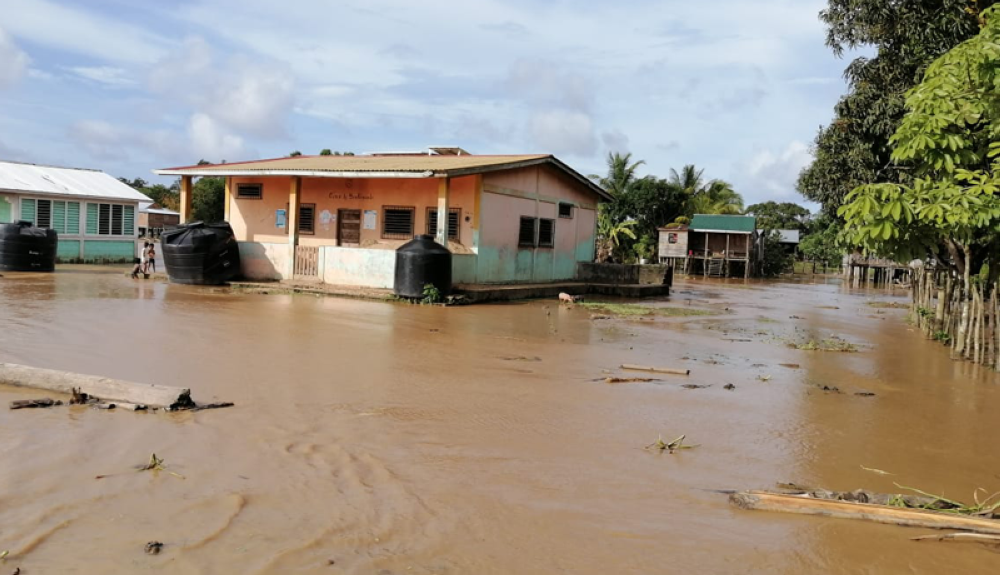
x=780 y=216
x=653 y=203
x=610 y=235
x=325 y=152
x=705 y=197
x=821 y=243
x=295 y=154
x=907 y=36
x=776 y=259
x=163 y=196
x=950 y=141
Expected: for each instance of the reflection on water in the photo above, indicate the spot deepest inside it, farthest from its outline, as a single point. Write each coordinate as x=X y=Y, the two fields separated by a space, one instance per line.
x=386 y=438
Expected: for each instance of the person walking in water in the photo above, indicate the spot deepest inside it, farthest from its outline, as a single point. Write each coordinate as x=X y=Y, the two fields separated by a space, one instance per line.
x=151 y=258
x=144 y=256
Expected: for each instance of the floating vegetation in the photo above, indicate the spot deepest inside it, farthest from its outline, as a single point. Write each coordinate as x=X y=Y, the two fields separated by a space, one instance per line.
x=675 y=445
x=637 y=310
x=832 y=343
x=888 y=305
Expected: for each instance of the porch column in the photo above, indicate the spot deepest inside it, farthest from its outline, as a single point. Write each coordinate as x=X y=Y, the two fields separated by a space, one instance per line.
x=292 y=221
x=228 y=198
x=185 y=199
x=444 y=193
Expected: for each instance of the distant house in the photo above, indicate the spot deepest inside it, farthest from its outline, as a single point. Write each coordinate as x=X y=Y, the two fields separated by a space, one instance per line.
x=93 y=213
x=721 y=245
x=339 y=219
x=153 y=219
x=673 y=245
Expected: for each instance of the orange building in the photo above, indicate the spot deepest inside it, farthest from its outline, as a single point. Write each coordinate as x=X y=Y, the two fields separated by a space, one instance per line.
x=339 y=219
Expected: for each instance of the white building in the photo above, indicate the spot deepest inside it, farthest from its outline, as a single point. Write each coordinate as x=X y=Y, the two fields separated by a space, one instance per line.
x=94 y=213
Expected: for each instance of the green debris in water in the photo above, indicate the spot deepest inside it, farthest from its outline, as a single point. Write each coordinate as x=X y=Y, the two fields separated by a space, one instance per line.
x=638 y=310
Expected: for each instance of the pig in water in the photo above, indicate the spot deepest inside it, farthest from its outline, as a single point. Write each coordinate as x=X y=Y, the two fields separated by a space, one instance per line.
x=565 y=297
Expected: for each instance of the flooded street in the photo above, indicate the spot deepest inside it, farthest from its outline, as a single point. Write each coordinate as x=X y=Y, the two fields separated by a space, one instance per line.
x=379 y=438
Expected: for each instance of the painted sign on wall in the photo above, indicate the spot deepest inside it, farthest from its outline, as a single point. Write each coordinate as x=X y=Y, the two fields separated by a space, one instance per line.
x=370 y=217
x=279 y=218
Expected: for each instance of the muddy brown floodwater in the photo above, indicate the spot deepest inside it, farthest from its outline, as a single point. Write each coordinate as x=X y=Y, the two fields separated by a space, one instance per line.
x=393 y=439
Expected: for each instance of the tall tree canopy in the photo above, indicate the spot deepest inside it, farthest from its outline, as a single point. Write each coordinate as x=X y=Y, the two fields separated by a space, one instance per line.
x=705 y=197
x=907 y=36
x=779 y=216
x=950 y=140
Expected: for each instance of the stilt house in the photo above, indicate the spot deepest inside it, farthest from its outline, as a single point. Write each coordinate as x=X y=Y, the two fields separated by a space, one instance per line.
x=722 y=245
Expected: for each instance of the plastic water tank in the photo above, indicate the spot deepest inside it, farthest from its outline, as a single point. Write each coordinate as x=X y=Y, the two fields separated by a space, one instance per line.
x=200 y=253
x=25 y=248
x=420 y=262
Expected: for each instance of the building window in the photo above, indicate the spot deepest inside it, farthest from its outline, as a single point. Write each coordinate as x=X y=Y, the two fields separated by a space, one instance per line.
x=397 y=222
x=61 y=216
x=110 y=220
x=249 y=191
x=546 y=233
x=565 y=210
x=454 y=217
x=671 y=238
x=307 y=219
x=526 y=233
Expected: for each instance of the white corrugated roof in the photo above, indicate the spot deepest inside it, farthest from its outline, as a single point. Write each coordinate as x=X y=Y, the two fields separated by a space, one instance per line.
x=145 y=207
x=787 y=236
x=37 y=179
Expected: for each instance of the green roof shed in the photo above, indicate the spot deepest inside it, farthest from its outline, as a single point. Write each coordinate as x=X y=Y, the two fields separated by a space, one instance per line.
x=723 y=224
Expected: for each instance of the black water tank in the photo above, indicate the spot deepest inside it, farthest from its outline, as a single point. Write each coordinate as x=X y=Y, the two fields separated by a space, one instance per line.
x=200 y=253
x=420 y=262
x=25 y=248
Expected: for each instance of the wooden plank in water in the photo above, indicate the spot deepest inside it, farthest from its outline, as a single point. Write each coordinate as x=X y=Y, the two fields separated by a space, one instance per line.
x=109 y=390
x=765 y=501
x=670 y=370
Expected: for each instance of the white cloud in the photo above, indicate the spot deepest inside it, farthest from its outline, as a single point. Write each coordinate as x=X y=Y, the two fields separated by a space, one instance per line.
x=615 y=141
x=13 y=61
x=81 y=31
x=250 y=95
x=108 y=75
x=770 y=175
x=211 y=142
x=563 y=132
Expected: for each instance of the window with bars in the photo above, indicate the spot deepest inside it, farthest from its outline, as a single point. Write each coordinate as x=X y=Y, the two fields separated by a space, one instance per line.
x=526 y=233
x=546 y=233
x=307 y=219
x=110 y=220
x=397 y=222
x=565 y=210
x=454 y=219
x=59 y=215
x=249 y=191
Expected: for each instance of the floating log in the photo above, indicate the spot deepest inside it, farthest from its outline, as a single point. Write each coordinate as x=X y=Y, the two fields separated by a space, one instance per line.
x=765 y=501
x=670 y=370
x=108 y=390
x=32 y=403
x=962 y=537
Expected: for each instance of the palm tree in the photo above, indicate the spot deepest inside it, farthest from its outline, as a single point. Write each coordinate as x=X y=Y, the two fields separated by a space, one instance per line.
x=621 y=174
x=712 y=197
x=610 y=230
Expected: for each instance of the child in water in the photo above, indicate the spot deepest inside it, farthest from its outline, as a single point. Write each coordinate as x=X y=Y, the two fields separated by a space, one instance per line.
x=137 y=268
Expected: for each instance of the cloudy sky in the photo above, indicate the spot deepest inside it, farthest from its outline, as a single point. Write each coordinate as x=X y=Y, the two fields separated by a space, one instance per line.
x=738 y=87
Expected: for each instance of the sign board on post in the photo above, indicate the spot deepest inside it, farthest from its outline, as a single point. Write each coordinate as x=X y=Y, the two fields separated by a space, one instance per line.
x=370 y=217
x=280 y=217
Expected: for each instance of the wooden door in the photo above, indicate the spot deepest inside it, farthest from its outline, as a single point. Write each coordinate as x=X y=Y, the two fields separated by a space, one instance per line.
x=349 y=227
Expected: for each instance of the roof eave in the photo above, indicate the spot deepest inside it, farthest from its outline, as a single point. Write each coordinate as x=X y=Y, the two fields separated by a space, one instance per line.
x=301 y=173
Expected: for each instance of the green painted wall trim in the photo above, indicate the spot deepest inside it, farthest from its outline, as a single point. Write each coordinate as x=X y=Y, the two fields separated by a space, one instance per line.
x=5 y=211
x=68 y=250
x=108 y=250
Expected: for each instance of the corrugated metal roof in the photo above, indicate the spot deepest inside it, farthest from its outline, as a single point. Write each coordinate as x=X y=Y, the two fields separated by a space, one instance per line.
x=387 y=163
x=380 y=166
x=735 y=224
x=46 y=180
x=147 y=208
